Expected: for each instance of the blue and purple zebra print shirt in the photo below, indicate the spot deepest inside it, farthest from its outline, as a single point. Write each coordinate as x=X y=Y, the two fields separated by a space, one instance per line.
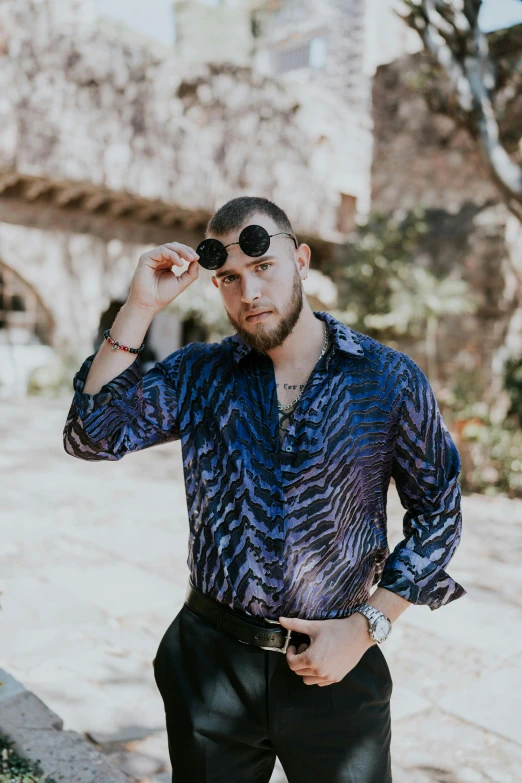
x=294 y=527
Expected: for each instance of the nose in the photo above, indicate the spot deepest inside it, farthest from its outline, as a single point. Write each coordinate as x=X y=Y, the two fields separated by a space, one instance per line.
x=250 y=289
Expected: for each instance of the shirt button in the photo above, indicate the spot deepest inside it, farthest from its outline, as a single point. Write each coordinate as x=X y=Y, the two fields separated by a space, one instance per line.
x=288 y=448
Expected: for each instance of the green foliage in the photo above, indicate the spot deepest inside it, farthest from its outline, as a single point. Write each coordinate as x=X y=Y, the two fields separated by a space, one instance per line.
x=386 y=287
x=14 y=769
x=493 y=450
x=379 y=252
x=496 y=452
x=465 y=396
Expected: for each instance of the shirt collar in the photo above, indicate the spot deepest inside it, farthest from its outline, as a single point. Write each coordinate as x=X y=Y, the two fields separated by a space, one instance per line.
x=344 y=338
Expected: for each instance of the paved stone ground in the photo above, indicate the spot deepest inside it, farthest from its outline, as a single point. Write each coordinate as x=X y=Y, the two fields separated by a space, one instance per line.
x=93 y=570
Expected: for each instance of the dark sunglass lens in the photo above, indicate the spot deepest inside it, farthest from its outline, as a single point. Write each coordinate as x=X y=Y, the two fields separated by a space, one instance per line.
x=254 y=240
x=212 y=253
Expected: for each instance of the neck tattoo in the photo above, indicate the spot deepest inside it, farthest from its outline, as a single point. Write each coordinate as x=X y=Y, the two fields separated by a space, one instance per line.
x=283 y=408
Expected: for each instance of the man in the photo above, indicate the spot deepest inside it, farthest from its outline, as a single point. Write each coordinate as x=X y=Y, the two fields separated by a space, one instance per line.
x=290 y=430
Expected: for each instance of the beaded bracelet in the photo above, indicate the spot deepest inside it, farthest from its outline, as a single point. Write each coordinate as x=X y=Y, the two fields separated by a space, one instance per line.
x=117 y=345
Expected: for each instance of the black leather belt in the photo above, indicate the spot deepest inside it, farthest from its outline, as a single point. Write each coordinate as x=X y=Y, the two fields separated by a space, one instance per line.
x=250 y=630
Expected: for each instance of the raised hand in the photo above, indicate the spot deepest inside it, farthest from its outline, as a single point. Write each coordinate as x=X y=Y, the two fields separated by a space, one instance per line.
x=154 y=285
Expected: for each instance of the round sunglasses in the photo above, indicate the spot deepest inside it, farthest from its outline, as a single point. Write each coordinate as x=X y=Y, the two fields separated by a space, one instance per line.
x=253 y=241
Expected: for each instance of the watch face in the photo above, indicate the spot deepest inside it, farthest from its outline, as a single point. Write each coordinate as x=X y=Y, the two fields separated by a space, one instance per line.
x=381 y=629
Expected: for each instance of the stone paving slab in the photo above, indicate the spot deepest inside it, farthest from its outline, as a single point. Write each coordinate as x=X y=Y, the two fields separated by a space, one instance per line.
x=494 y=701
x=37 y=735
x=437 y=747
x=153 y=748
x=468 y=623
x=111 y=641
x=431 y=666
x=34 y=610
x=10 y=687
x=117 y=588
x=121 y=541
x=93 y=571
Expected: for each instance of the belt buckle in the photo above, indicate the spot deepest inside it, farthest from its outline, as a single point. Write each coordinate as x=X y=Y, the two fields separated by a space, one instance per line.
x=287 y=639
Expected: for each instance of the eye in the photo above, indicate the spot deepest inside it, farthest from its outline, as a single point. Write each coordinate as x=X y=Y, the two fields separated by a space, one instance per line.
x=265 y=263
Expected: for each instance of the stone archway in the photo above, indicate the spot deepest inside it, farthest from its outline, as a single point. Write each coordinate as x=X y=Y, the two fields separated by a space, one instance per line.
x=24 y=319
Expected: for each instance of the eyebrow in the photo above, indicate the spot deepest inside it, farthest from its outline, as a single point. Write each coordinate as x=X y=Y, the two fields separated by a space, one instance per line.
x=225 y=273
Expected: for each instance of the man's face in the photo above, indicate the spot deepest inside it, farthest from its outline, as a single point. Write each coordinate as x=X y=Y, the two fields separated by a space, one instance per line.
x=270 y=282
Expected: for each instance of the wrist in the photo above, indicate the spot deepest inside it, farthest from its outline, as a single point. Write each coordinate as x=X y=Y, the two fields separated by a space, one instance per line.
x=360 y=620
x=143 y=312
x=130 y=326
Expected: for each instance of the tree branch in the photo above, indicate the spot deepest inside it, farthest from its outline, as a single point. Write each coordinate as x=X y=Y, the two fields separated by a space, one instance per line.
x=450 y=32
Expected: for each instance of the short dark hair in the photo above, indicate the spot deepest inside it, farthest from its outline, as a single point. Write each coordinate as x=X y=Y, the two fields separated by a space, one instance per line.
x=234 y=213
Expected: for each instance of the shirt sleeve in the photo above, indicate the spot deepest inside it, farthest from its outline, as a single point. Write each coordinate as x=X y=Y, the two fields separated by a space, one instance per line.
x=133 y=411
x=426 y=467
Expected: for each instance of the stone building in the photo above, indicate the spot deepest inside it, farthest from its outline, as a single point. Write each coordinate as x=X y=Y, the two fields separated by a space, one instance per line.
x=108 y=147
x=207 y=31
x=422 y=159
x=326 y=51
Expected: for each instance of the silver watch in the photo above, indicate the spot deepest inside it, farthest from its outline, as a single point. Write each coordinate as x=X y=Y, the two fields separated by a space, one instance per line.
x=380 y=625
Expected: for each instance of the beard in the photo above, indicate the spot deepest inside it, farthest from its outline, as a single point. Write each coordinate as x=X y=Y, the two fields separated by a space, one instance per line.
x=265 y=338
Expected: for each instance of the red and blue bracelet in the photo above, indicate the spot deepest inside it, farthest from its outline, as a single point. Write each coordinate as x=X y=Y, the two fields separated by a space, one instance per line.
x=116 y=345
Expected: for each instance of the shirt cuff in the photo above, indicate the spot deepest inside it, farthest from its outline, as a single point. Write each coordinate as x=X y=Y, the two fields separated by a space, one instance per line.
x=431 y=586
x=87 y=403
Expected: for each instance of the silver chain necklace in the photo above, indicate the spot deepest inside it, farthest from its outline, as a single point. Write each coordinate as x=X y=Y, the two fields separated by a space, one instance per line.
x=325 y=347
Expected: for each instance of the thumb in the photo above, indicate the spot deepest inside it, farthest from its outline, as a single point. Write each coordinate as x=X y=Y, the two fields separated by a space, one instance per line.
x=189 y=275
x=297 y=624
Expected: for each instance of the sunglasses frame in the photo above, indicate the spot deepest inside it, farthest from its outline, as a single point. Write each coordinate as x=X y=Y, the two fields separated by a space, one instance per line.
x=269 y=236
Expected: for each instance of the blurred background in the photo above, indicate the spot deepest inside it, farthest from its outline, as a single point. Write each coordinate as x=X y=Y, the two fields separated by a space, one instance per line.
x=390 y=133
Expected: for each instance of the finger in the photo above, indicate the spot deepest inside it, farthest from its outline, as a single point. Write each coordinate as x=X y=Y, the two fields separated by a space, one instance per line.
x=297 y=658
x=162 y=256
x=185 y=278
x=316 y=681
x=190 y=273
x=297 y=624
x=301 y=667
x=293 y=651
x=184 y=250
x=306 y=672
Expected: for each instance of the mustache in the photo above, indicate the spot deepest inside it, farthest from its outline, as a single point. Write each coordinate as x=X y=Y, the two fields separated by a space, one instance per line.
x=257 y=311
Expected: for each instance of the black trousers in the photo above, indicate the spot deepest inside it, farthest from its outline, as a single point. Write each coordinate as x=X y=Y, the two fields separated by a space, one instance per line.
x=231 y=708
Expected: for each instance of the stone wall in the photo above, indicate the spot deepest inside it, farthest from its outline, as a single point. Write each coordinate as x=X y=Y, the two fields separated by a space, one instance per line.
x=418 y=156
x=81 y=103
x=470 y=245
x=421 y=159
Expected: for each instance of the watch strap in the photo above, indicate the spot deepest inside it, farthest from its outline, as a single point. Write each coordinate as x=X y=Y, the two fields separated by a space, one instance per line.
x=372 y=614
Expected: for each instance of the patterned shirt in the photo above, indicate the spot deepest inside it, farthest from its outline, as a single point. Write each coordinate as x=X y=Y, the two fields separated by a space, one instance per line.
x=293 y=526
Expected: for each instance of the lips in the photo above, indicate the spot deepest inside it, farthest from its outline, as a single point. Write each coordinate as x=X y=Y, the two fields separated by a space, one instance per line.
x=259 y=312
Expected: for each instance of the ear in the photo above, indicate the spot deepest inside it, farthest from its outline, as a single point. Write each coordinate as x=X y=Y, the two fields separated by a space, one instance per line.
x=302 y=256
